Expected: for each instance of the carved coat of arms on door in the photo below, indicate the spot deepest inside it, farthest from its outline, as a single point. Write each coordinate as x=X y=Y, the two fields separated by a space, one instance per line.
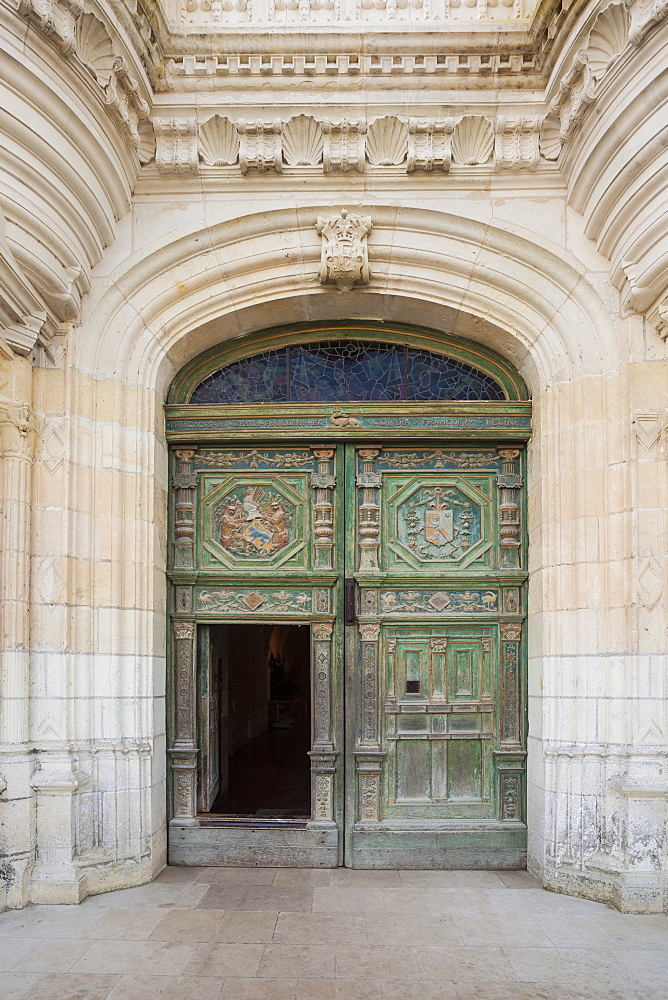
x=438 y=523
x=252 y=522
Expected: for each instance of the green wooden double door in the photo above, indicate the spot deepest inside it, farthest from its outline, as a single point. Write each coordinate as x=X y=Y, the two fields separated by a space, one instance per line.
x=408 y=565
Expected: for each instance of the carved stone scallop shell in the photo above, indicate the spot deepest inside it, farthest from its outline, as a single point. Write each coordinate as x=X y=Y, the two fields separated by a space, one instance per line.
x=473 y=140
x=608 y=38
x=302 y=141
x=94 y=47
x=387 y=141
x=549 y=141
x=218 y=142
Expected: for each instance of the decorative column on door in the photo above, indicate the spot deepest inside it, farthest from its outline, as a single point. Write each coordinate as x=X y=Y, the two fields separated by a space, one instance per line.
x=323 y=755
x=369 y=756
x=323 y=482
x=183 y=753
x=184 y=483
x=369 y=482
x=510 y=483
x=510 y=757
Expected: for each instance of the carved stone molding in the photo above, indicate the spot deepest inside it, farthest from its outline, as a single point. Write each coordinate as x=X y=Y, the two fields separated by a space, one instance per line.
x=645 y=14
x=176 y=145
x=344 y=259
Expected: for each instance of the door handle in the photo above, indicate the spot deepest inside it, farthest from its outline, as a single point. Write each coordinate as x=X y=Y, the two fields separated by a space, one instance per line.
x=349 y=600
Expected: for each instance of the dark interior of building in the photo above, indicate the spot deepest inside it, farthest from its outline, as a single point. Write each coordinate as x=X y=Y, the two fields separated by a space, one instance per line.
x=262 y=710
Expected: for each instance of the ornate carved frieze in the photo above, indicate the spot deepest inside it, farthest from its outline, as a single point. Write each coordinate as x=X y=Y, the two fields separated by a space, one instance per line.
x=276 y=601
x=344 y=259
x=436 y=602
x=260 y=146
x=176 y=145
x=344 y=144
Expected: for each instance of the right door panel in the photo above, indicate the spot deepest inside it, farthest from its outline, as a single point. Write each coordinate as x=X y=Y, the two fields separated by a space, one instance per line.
x=436 y=711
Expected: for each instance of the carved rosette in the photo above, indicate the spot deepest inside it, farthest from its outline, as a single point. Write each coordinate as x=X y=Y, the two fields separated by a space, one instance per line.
x=510 y=483
x=369 y=483
x=183 y=753
x=184 y=483
x=323 y=482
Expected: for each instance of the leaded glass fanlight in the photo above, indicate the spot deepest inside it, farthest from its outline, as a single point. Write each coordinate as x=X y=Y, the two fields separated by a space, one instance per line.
x=337 y=371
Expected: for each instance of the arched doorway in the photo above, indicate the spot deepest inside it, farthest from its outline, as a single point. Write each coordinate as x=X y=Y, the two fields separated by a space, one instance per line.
x=362 y=483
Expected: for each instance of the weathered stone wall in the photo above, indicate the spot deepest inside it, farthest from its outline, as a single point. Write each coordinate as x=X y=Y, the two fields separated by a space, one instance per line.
x=516 y=236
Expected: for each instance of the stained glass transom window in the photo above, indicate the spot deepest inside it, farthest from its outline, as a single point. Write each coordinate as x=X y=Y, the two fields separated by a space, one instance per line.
x=339 y=371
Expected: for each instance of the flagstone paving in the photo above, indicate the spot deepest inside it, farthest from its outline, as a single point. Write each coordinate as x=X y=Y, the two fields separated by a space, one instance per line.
x=294 y=934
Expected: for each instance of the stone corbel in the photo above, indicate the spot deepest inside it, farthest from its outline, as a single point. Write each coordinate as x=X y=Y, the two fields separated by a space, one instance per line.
x=18 y=431
x=56 y=19
x=516 y=142
x=429 y=144
x=260 y=146
x=176 y=149
x=344 y=145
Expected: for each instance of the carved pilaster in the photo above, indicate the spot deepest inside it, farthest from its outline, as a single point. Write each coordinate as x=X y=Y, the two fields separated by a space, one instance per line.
x=369 y=774
x=323 y=769
x=369 y=482
x=17 y=444
x=510 y=483
x=323 y=483
x=369 y=640
x=184 y=483
x=183 y=752
x=322 y=669
x=510 y=771
x=511 y=733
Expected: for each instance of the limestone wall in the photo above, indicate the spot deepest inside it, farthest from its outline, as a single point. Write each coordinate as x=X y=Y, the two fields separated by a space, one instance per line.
x=522 y=250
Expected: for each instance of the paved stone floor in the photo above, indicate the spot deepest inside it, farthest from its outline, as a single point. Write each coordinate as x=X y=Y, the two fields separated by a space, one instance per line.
x=264 y=934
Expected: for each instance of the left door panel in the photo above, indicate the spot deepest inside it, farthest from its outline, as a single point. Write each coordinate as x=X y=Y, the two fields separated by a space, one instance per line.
x=254 y=541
